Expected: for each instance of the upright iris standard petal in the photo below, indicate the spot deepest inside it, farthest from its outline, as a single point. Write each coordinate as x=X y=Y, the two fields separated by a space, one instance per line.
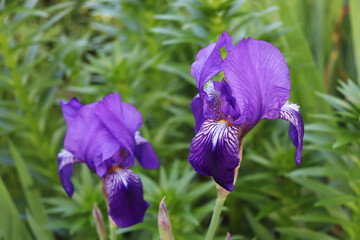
x=208 y=61
x=131 y=117
x=214 y=151
x=70 y=109
x=207 y=65
x=227 y=103
x=120 y=118
x=124 y=189
x=290 y=112
x=89 y=140
x=212 y=103
x=145 y=153
x=66 y=162
x=259 y=79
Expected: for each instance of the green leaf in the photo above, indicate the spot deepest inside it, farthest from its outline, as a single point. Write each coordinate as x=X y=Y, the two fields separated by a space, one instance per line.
x=336 y=102
x=316 y=186
x=257 y=227
x=351 y=91
x=199 y=191
x=171 y=17
x=268 y=208
x=303 y=233
x=319 y=218
x=180 y=70
x=335 y=200
x=184 y=181
x=355 y=19
x=345 y=139
x=321 y=171
x=10 y=223
x=321 y=127
x=36 y=228
x=32 y=194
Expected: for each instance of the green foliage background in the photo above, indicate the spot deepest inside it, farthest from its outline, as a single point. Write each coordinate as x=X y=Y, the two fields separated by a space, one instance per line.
x=54 y=50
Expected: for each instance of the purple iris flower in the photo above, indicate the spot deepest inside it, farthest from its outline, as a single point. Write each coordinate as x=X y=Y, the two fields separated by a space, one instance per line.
x=105 y=136
x=255 y=87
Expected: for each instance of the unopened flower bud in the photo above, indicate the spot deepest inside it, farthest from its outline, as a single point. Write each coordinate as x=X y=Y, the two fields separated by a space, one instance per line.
x=228 y=236
x=99 y=222
x=164 y=222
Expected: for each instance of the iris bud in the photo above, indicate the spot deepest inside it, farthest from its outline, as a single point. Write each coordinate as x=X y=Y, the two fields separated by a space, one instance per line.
x=99 y=222
x=164 y=222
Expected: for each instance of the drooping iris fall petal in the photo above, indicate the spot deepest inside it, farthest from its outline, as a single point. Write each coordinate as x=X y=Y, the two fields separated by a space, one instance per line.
x=126 y=202
x=214 y=151
x=290 y=112
x=66 y=162
x=145 y=153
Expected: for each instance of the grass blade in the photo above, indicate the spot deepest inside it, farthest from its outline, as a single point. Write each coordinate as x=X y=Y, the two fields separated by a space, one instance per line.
x=32 y=194
x=10 y=223
x=355 y=18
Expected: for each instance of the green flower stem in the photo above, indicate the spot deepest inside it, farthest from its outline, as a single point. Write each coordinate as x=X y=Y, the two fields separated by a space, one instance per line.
x=222 y=194
x=215 y=218
x=112 y=229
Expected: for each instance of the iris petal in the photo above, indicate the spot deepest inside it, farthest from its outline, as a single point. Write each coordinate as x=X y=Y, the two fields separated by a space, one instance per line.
x=208 y=61
x=227 y=103
x=290 y=112
x=121 y=119
x=70 y=109
x=131 y=117
x=126 y=204
x=145 y=153
x=206 y=105
x=259 y=79
x=66 y=162
x=214 y=151
x=197 y=110
x=88 y=139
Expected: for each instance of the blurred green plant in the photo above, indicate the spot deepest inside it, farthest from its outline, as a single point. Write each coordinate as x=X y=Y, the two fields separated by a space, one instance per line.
x=336 y=183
